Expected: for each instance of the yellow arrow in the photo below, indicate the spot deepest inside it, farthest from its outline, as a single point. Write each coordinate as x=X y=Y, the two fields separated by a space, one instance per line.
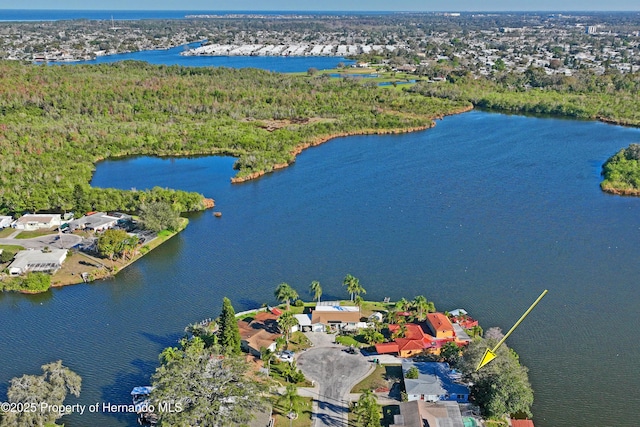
x=490 y=354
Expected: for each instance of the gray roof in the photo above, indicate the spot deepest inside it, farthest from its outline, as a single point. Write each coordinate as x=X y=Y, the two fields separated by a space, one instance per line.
x=97 y=220
x=37 y=260
x=436 y=414
x=434 y=379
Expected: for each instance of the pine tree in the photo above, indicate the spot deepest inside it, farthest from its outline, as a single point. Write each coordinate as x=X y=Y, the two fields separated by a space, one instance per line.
x=229 y=334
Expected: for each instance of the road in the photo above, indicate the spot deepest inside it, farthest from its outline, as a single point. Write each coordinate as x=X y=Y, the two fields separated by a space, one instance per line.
x=336 y=372
x=64 y=241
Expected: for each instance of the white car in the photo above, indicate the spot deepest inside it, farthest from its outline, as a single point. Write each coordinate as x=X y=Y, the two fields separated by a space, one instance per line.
x=285 y=356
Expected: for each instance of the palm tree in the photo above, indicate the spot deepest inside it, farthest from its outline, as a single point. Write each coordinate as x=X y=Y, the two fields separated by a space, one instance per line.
x=316 y=290
x=421 y=305
x=285 y=293
x=266 y=355
x=291 y=400
x=286 y=321
x=353 y=286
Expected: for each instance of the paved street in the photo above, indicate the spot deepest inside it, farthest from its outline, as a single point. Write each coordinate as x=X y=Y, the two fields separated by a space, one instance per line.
x=64 y=241
x=335 y=372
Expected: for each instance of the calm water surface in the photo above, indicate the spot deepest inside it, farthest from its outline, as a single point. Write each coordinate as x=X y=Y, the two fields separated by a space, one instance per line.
x=482 y=212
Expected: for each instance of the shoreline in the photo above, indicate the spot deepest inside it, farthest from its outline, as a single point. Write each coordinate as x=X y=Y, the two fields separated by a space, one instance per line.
x=322 y=139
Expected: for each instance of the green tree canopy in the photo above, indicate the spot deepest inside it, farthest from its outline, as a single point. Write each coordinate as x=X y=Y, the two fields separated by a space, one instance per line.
x=212 y=389
x=316 y=290
x=367 y=410
x=286 y=321
x=353 y=286
x=501 y=387
x=285 y=293
x=158 y=216
x=51 y=388
x=115 y=242
x=228 y=332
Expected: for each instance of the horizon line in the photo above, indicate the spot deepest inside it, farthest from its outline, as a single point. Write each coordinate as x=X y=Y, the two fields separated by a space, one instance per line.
x=327 y=10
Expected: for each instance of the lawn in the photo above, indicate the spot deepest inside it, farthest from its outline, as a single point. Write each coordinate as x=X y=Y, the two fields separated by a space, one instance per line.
x=11 y=248
x=304 y=417
x=6 y=232
x=382 y=376
x=299 y=342
x=36 y=233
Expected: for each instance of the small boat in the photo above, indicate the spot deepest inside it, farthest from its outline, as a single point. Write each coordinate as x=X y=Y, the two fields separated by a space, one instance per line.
x=217 y=214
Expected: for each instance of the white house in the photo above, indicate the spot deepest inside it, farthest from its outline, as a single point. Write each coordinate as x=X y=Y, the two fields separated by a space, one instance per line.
x=37 y=261
x=98 y=221
x=5 y=221
x=38 y=221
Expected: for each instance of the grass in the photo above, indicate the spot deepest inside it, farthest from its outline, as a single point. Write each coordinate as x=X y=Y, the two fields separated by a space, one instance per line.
x=36 y=233
x=299 y=342
x=6 y=232
x=304 y=417
x=74 y=266
x=12 y=248
x=275 y=372
x=348 y=340
x=383 y=376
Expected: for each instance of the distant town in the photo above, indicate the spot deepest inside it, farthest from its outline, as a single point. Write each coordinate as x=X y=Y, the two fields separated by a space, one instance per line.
x=480 y=43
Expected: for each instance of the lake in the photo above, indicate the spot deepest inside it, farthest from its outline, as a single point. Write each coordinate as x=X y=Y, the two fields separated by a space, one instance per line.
x=482 y=212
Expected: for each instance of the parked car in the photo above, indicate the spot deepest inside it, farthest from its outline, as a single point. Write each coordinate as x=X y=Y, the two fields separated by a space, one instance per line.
x=285 y=356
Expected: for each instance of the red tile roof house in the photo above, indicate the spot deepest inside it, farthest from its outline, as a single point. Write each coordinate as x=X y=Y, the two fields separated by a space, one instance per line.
x=521 y=423
x=416 y=341
x=262 y=331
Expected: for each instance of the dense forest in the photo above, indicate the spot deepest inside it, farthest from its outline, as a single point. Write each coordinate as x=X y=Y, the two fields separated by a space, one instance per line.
x=622 y=172
x=612 y=97
x=56 y=122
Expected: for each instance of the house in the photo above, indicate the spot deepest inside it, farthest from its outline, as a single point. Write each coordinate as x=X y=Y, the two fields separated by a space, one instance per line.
x=521 y=423
x=435 y=382
x=305 y=325
x=32 y=222
x=415 y=341
x=332 y=314
x=418 y=413
x=5 y=221
x=37 y=261
x=462 y=318
x=97 y=221
x=440 y=326
x=261 y=332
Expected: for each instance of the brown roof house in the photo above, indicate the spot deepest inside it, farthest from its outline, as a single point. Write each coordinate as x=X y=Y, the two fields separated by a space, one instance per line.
x=336 y=315
x=261 y=332
x=419 y=414
x=37 y=221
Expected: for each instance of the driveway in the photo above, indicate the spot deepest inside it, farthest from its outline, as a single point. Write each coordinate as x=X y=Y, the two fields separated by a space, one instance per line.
x=64 y=241
x=335 y=372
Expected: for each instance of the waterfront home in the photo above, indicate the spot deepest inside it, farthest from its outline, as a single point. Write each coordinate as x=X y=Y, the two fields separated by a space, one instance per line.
x=305 y=325
x=34 y=260
x=260 y=332
x=462 y=318
x=440 y=326
x=435 y=382
x=418 y=413
x=32 y=222
x=414 y=341
x=97 y=221
x=331 y=313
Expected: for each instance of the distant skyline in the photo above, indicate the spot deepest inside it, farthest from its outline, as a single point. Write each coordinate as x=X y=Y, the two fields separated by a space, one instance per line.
x=330 y=5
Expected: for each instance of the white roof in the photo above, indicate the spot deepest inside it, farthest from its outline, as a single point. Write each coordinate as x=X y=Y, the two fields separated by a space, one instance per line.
x=303 y=319
x=38 y=260
x=458 y=312
x=335 y=308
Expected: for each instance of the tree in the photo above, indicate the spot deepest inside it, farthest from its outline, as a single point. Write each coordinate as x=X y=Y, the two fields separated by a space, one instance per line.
x=412 y=373
x=229 y=333
x=51 y=388
x=500 y=387
x=285 y=293
x=353 y=286
x=290 y=400
x=371 y=336
x=158 y=216
x=207 y=387
x=115 y=243
x=286 y=321
x=422 y=307
x=450 y=352
x=367 y=410
x=316 y=290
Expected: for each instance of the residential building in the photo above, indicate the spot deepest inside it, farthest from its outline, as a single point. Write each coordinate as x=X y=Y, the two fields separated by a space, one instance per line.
x=32 y=222
x=98 y=221
x=435 y=382
x=521 y=423
x=335 y=315
x=440 y=326
x=37 y=261
x=261 y=332
x=433 y=414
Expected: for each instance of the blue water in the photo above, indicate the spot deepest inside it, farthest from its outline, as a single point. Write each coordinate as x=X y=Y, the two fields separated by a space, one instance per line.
x=482 y=212
x=288 y=64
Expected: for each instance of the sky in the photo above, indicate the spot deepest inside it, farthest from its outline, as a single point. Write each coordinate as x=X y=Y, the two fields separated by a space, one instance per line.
x=333 y=5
